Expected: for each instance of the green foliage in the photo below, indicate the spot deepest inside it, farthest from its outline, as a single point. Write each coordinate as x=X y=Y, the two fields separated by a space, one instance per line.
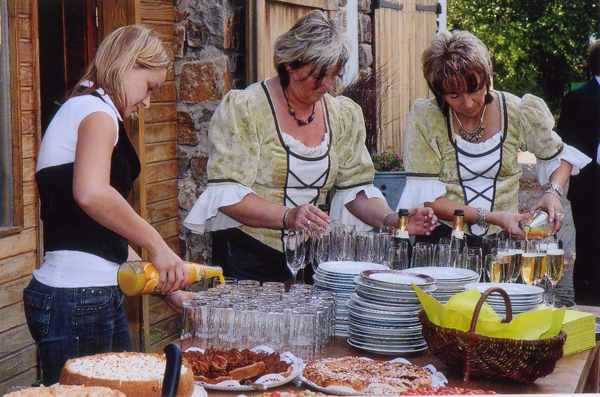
x=536 y=46
x=388 y=160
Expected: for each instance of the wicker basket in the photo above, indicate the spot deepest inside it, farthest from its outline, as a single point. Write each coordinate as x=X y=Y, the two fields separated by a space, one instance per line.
x=495 y=358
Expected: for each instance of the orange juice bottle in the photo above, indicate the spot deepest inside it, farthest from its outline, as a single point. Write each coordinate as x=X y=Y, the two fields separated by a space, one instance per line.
x=141 y=277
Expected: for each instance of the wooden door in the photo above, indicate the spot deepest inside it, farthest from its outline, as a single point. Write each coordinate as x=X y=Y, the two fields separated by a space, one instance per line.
x=266 y=20
x=403 y=29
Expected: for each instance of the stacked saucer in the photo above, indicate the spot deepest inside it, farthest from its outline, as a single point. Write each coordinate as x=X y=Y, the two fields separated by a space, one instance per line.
x=523 y=297
x=383 y=312
x=449 y=280
x=338 y=277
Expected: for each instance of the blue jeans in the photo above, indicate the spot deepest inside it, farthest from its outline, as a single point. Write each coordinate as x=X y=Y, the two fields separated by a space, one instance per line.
x=74 y=322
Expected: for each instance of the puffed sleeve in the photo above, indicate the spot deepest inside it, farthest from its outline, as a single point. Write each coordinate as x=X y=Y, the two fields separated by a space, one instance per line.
x=422 y=155
x=355 y=165
x=537 y=137
x=234 y=140
x=233 y=162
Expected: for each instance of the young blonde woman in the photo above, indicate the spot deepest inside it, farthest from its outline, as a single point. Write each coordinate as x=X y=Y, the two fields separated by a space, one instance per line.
x=85 y=169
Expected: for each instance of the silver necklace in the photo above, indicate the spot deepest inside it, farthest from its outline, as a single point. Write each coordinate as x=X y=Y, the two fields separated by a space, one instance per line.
x=471 y=136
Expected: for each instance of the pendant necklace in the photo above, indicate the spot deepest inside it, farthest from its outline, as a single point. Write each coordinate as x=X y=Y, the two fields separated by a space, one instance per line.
x=293 y=112
x=471 y=136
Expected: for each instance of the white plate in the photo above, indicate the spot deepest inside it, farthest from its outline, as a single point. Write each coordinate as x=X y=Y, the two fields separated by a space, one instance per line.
x=387 y=349
x=511 y=289
x=349 y=267
x=414 y=300
x=199 y=391
x=385 y=306
x=357 y=306
x=269 y=380
x=445 y=273
x=397 y=279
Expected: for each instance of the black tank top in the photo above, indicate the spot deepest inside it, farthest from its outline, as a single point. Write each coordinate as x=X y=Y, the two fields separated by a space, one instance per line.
x=66 y=225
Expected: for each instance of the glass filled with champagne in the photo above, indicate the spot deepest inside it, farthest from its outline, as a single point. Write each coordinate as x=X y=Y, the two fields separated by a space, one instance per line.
x=496 y=268
x=531 y=267
x=555 y=263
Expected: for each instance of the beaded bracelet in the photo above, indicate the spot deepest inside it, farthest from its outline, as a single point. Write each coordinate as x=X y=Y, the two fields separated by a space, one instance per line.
x=386 y=219
x=481 y=218
x=285 y=219
x=554 y=192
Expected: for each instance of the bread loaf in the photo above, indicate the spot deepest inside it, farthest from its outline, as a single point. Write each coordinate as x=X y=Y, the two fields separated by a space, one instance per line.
x=66 y=391
x=134 y=374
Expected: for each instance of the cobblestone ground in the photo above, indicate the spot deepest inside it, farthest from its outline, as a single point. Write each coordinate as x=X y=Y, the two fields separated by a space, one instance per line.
x=529 y=191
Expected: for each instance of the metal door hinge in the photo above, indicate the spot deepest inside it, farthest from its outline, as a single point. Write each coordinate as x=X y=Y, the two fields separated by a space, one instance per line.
x=437 y=8
x=377 y=4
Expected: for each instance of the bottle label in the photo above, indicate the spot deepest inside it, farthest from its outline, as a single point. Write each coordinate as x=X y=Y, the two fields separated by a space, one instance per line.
x=460 y=234
x=403 y=234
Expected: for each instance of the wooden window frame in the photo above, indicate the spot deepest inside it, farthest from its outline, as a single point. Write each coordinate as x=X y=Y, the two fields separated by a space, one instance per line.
x=16 y=141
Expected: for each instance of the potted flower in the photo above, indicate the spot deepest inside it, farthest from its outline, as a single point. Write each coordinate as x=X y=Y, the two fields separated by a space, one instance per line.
x=390 y=177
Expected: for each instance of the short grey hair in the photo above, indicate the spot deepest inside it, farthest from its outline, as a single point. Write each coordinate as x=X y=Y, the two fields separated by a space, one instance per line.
x=312 y=39
x=456 y=62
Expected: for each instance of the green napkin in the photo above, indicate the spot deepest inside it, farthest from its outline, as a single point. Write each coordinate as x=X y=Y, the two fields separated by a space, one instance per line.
x=542 y=323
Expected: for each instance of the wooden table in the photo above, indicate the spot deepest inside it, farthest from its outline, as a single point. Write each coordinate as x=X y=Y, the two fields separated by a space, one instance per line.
x=576 y=373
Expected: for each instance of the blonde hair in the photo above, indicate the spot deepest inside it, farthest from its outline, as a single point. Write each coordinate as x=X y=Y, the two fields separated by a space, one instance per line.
x=456 y=62
x=312 y=39
x=119 y=52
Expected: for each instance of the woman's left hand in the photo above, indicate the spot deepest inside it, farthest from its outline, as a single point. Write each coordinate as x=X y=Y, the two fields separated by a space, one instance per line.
x=553 y=205
x=421 y=221
x=175 y=299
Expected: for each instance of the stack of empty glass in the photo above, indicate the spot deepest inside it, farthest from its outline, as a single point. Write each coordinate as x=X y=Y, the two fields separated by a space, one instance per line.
x=248 y=315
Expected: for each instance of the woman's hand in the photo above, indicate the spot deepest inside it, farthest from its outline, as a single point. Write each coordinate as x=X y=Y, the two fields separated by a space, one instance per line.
x=172 y=272
x=508 y=221
x=421 y=221
x=174 y=299
x=308 y=216
x=553 y=206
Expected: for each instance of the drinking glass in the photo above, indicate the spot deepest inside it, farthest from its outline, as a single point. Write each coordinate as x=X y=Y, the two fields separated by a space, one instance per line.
x=516 y=248
x=323 y=247
x=365 y=246
x=383 y=246
x=422 y=255
x=441 y=255
x=295 y=250
x=505 y=251
x=532 y=262
x=400 y=261
x=496 y=268
x=555 y=263
x=344 y=239
x=467 y=261
x=478 y=252
x=191 y=323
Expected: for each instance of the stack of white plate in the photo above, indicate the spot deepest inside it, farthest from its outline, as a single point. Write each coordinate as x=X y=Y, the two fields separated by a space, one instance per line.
x=523 y=297
x=449 y=280
x=339 y=278
x=384 y=311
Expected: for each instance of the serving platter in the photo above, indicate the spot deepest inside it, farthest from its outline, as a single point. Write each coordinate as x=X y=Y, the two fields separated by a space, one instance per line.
x=268 y=380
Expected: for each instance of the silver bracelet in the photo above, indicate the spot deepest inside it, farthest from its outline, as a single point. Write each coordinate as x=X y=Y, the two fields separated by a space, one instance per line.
x=285 y=219
x=481 y=218
x=556 y=188
x=554 y=192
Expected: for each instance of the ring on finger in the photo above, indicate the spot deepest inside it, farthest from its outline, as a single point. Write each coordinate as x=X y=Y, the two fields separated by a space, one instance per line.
x=560 y=215
x=307 y=222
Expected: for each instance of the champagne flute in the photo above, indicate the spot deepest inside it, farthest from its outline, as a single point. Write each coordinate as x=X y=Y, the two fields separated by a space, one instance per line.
x=295 y=250
x=478 y=252
x=555 y=263
x=496 y=268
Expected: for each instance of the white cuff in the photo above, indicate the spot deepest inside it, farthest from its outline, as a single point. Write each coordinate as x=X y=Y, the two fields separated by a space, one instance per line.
x=205 y=214
x=571 y=155
x=418 y=191
x=340 y=215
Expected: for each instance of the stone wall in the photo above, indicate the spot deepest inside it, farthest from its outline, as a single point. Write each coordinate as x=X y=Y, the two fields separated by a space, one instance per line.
x=209 y=61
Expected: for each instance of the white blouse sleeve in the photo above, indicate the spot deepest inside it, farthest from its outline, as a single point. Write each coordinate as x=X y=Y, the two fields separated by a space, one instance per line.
x=205 y=214
x=571 y=155
x=340 y=215
x=418 y=191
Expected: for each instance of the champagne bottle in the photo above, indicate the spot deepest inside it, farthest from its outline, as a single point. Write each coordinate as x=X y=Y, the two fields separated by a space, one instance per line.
x=141 y=277
x=458 y=242
x=402 y=231
x=537 y=225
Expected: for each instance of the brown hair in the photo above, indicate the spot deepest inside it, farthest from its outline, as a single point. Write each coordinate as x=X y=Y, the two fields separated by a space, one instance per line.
x=456 y=62
x=312 y=39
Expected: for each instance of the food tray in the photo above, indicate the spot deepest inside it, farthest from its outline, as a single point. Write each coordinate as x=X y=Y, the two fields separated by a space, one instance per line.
x=268 y=380
x=437 y=379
